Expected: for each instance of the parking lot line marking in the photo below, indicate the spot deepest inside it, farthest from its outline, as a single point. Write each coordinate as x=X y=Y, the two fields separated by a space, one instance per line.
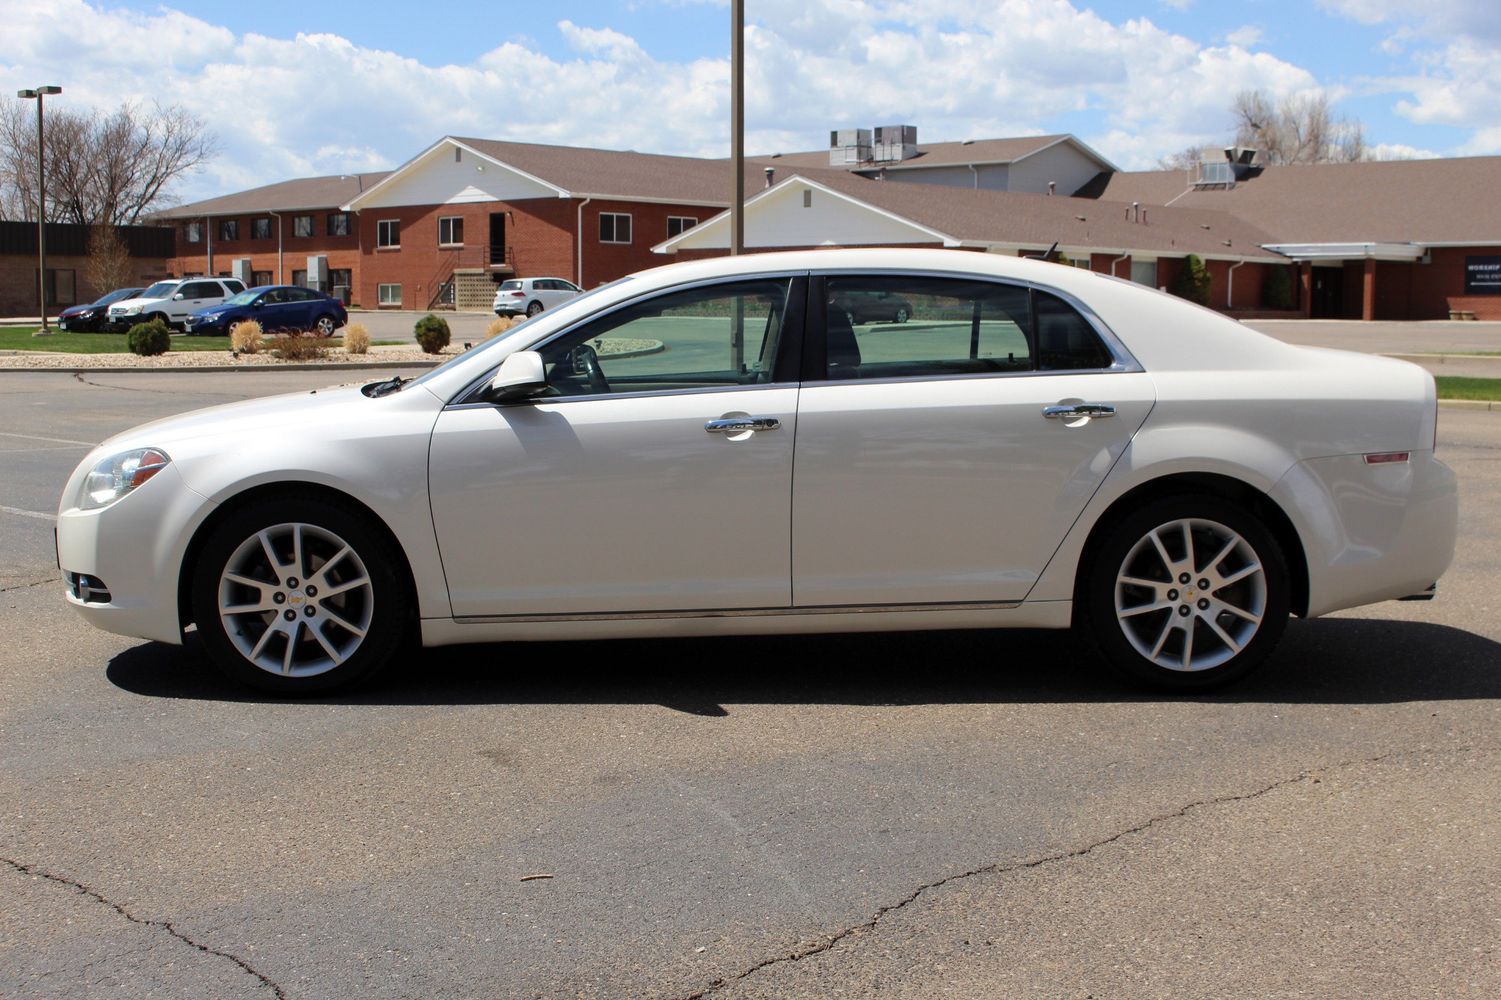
x=38 y=437
x=27 y=513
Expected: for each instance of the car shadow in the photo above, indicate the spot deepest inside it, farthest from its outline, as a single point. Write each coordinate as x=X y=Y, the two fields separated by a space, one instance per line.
x=1333 y=661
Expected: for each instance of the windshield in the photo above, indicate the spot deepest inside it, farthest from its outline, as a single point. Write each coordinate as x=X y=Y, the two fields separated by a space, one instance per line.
x=160 y=290
x=565 y=313
x=243 y=299
x=117 y=295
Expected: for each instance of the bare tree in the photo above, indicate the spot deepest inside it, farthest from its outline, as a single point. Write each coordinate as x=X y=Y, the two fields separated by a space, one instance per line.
x=102 y=168
x=1185 y=159
x=1300 y=130
x=108 y=264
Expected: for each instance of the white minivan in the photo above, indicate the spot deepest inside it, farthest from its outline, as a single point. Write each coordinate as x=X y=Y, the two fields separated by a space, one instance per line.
x=173 y=301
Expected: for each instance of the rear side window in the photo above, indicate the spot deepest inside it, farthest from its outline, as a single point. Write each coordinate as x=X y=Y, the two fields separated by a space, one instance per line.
x=912 y=326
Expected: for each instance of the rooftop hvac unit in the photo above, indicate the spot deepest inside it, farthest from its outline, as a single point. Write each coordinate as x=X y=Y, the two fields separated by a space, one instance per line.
x=849 y=146
x=895 y=143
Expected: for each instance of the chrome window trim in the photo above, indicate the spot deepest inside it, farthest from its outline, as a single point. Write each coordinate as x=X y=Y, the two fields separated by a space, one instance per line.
x=600 y=396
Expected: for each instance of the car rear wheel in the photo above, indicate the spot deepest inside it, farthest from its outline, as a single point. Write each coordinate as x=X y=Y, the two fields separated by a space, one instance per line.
x=324 y=326
x=900 y=316
x=534 y=309
x=1188 y=593
x=298 y=596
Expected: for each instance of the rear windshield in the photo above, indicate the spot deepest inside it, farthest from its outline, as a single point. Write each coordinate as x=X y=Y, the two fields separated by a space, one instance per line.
x=513 y=283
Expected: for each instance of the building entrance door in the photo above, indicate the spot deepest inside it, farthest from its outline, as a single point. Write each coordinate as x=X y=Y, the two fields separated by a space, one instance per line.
x=1327 y=300
x=497 y=238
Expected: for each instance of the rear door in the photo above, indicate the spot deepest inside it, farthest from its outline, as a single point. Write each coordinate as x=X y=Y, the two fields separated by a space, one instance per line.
x=941 y=460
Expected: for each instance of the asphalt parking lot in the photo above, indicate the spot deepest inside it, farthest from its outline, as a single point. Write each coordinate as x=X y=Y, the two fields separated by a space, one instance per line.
x=895 y=816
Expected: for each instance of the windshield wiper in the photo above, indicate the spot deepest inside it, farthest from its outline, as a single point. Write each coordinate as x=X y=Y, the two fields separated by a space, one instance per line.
x=381 y=388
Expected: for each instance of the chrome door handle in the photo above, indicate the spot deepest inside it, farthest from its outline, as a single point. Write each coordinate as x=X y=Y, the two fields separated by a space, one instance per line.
x=1078 y=410
x=737 y=425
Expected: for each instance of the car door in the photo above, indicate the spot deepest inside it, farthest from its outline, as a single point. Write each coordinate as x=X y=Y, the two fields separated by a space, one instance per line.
x=654 y=475
x=195 y=296
x=300 y=303
x=943 y=459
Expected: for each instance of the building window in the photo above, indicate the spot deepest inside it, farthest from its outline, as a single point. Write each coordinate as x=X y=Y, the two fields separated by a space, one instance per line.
x=677 y=223
x=193 y=232
x=61 y=286
x=388 y=295
x=299 y=278
x=614 y=227
x=302 y=226
x=451 y=231
x=338 y=223
x=229 y=230
x=388 y=234
x=340 y=276
x=258 y=278
x=1144 y=272
x=260 y=229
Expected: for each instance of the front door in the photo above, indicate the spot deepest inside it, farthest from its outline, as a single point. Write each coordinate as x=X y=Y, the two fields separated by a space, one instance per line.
x=497 y=238
x=929 y=469
x=1327 y=300
x=654 y=475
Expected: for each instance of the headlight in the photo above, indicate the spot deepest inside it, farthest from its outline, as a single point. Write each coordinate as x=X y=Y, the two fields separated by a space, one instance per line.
x=128 y=310
x=117 y=475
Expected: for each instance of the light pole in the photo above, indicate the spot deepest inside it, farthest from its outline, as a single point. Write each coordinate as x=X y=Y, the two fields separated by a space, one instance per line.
x=737 y=125
x=41 y=198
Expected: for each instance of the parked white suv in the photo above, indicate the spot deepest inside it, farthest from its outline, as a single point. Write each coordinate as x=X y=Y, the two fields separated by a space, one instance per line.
x=532 y=295
x=173 y=301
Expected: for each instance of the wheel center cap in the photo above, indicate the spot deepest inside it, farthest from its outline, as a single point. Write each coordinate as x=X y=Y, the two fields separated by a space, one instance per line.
x=296 y=598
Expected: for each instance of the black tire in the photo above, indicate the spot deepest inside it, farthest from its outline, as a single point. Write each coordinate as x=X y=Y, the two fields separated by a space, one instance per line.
x=378 y=606
x=325 y=325
x=900 y=316
x=166 y=321
x=533 y=309
x=1141 y=627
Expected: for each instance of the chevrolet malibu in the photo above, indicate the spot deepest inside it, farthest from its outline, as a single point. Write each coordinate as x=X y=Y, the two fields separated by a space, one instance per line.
x=718 y=448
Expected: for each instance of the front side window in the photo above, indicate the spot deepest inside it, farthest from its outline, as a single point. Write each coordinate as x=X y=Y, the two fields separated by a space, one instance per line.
x=338 y=223
x=451 y=231
x=713 y=337
x=614 y=227
x=388 y=295
x=260 y=229
x=229 y=230
x=388 y=233
x=302 y=226
x=901 y=327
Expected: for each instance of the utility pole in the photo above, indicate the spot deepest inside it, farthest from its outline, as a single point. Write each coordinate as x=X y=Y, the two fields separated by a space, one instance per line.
x=737 y=125
x=41 y=199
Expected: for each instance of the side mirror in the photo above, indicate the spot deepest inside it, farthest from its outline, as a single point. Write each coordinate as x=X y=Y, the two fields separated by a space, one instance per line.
x=177 y=297
x=257 y=303
x=520 y=376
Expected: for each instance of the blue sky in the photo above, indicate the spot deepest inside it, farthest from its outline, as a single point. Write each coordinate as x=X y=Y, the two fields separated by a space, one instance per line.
x=296 y=89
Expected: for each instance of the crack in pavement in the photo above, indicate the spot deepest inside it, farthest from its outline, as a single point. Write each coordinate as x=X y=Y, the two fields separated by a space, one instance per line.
x=26 y=586
x=157 y=392
x=165 y=925
x=999 y=868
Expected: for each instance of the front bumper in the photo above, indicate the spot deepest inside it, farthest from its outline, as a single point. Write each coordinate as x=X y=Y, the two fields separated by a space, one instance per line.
x=133 y=551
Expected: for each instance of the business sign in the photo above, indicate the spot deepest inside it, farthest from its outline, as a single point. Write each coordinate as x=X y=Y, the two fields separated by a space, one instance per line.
x=1483 y=275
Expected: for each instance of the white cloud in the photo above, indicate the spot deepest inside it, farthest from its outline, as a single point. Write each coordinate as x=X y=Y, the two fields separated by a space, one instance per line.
x=318 y=103
x=1245 y=36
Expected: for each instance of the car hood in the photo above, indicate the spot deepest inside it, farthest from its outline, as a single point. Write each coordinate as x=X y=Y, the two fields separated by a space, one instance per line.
x=75 y=310
x=136 y=302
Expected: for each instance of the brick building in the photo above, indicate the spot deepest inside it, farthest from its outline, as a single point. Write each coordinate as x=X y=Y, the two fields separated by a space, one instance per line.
x=150 y=249
x=1401 y=240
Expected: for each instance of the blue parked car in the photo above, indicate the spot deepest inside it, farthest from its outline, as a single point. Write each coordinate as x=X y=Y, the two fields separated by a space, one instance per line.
x=90 y=317
x=277 y=308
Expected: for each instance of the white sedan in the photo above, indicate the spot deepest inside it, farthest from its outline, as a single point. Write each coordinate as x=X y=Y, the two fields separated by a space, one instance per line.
x=717 y=448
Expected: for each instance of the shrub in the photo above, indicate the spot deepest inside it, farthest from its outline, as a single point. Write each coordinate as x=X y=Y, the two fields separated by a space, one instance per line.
x=499 y=325
x=1277 y=287
x=356 y=339
x=298 y=347
x=148 y=339
x=1192 y=281
x=432 y=333
x=245 y=336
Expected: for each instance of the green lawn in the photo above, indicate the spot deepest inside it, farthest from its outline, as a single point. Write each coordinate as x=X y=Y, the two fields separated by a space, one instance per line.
x=19 y=338
x=1457 y=387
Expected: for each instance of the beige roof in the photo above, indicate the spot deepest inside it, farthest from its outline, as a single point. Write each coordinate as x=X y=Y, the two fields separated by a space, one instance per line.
x=941 y=154
x=1397 y=201
x=613 y=173
x=305 y=193
x=1039 y=220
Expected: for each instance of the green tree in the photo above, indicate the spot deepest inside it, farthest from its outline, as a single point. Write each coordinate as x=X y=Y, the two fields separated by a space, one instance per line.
x=1192 y=280
x=1277 y=287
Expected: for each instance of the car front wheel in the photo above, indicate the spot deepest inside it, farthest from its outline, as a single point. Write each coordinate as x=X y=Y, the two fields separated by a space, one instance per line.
x=1188 y=593
x=324 y=326
x=298 y=596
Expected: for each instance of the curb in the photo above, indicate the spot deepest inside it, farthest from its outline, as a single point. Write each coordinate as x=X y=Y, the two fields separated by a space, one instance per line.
x=1470 y=404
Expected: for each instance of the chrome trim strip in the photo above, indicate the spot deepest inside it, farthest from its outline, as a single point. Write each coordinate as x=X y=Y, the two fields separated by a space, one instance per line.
x=833 y=609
